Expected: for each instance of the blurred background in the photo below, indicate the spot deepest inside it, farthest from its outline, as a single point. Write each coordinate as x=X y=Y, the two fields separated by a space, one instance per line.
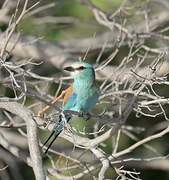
x=57 y=32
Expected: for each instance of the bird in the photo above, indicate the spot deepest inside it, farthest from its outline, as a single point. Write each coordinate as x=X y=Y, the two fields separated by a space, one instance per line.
x=81 y=96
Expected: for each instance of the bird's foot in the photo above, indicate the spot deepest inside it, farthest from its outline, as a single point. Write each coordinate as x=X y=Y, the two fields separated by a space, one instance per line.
x=85 y=115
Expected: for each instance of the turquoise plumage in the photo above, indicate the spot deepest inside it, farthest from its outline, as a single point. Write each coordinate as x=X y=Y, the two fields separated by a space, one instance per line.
x=81 y=96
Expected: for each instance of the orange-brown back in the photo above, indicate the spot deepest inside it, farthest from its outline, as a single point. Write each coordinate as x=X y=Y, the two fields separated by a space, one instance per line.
x=68 y=93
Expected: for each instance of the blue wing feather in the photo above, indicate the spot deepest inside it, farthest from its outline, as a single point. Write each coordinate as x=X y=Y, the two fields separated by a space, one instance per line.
x=71 y=102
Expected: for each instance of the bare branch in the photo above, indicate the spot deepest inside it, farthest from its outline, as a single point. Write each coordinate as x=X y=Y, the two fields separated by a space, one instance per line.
x=35 y=153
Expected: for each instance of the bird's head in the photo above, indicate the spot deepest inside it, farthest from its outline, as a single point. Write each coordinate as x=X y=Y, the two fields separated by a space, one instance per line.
x=81 y=70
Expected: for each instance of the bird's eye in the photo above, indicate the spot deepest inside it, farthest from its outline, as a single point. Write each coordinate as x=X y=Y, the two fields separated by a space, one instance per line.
x=80 y=68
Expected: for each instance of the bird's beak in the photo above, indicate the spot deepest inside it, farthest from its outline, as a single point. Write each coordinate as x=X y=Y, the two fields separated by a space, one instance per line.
x=69 y=68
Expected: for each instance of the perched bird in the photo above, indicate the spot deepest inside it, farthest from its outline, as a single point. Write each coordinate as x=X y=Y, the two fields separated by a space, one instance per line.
x=81 y=96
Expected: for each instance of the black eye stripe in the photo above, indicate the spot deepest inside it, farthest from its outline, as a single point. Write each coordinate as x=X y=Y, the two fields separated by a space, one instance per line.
x=71 y=69
x=80 y=68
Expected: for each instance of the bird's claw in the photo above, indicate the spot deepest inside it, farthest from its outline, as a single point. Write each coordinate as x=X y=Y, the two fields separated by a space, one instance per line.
x=85 y=115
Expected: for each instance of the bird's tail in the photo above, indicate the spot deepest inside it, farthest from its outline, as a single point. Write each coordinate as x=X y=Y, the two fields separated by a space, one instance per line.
x=56 y=131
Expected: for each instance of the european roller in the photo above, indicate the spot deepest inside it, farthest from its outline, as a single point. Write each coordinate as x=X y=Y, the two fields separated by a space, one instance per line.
x=80 y=97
